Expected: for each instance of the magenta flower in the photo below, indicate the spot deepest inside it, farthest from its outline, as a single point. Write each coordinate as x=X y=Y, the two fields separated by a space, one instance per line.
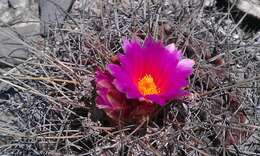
x=147 y=75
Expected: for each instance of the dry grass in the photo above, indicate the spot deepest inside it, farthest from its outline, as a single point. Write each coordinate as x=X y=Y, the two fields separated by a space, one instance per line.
x=48 y=107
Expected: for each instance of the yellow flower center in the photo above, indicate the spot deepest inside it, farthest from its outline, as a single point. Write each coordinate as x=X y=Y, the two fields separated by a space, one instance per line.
x=146 y=85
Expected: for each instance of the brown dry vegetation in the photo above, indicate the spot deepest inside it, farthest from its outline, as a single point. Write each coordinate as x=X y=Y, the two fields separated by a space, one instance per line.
x=48 y=106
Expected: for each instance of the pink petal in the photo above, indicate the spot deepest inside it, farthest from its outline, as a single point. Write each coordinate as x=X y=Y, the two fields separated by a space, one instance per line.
x=184 y=67
x=157 y=99
x=171 y=48
x=123 y=82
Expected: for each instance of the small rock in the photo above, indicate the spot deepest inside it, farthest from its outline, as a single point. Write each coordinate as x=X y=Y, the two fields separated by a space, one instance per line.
x=257 y=56
x=6 y=17
x=3 y=5
x=12 y=50
x=52 y=12
x=235 y=36
x=228 y=22
x=249 y=6
x=209 y=3
x=19 y=3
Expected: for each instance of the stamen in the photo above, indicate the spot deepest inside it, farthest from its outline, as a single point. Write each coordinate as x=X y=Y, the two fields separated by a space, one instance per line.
x=146 y=85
